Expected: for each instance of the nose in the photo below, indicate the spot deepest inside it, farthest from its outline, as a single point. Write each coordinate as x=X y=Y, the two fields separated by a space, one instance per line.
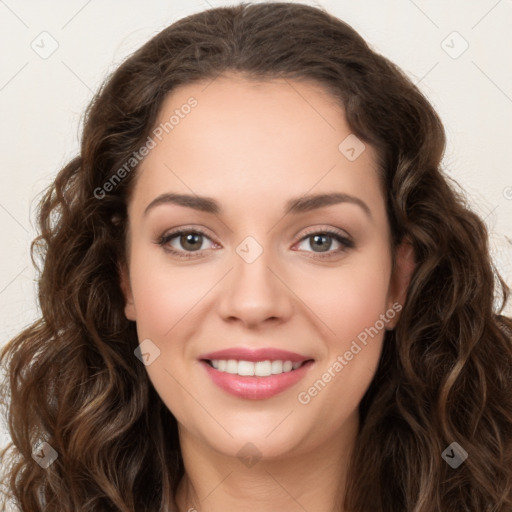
x=255 y=291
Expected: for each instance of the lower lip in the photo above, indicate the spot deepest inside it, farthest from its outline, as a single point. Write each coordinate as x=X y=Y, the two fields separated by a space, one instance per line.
x=256 y=388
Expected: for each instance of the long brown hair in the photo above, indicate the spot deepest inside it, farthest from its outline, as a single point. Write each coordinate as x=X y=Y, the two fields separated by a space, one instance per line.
x=445 y=372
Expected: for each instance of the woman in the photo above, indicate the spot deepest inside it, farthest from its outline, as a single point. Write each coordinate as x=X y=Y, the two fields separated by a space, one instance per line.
x=260 y=292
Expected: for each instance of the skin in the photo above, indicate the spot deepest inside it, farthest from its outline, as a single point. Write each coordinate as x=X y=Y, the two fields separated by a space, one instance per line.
x=252 y=146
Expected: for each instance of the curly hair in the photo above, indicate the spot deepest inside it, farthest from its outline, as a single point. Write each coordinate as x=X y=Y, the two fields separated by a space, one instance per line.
x=445 y=371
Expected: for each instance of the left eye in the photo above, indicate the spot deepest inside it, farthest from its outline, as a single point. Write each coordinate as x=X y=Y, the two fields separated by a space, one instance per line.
x=319 y=239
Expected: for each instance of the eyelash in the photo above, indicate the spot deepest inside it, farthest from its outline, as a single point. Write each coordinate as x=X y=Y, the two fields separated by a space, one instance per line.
x=345 y=242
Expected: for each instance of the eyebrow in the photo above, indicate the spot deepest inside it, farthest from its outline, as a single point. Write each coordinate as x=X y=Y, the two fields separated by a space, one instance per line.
x=293 y=206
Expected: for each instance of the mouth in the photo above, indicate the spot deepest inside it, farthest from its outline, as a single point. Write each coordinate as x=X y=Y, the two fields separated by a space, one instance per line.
x=255 y=374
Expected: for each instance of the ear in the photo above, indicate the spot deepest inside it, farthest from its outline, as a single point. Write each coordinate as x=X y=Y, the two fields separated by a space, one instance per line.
x=405 y=264
x=129 y=308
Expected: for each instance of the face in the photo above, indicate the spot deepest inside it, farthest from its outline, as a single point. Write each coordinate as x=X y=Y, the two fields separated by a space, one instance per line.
x=260 y=271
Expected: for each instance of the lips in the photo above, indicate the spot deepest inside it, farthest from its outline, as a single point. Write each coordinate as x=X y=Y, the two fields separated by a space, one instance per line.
x=249 y=386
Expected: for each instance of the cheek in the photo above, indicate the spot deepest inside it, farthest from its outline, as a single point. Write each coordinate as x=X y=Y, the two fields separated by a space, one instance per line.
x=352 y=309
x=164 y=301
x=164 y=295
x=351 y=298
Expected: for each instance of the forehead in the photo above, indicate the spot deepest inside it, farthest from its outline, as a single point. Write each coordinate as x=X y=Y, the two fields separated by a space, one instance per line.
x=246 y=141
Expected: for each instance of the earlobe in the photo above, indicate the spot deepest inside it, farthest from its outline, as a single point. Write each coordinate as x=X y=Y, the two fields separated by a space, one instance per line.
x=405 y=265
x=129 y=308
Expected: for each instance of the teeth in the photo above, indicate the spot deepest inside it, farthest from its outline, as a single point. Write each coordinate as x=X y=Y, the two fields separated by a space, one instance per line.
x=258 y=369
x=231 y=366
x=246 y=368
x=262 y=368
x=276 y=367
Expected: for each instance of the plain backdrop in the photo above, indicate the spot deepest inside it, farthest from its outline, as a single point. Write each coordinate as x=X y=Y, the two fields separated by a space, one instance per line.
x=55 y=54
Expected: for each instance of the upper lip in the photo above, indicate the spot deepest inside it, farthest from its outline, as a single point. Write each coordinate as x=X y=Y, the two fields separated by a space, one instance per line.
x=254 y=355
